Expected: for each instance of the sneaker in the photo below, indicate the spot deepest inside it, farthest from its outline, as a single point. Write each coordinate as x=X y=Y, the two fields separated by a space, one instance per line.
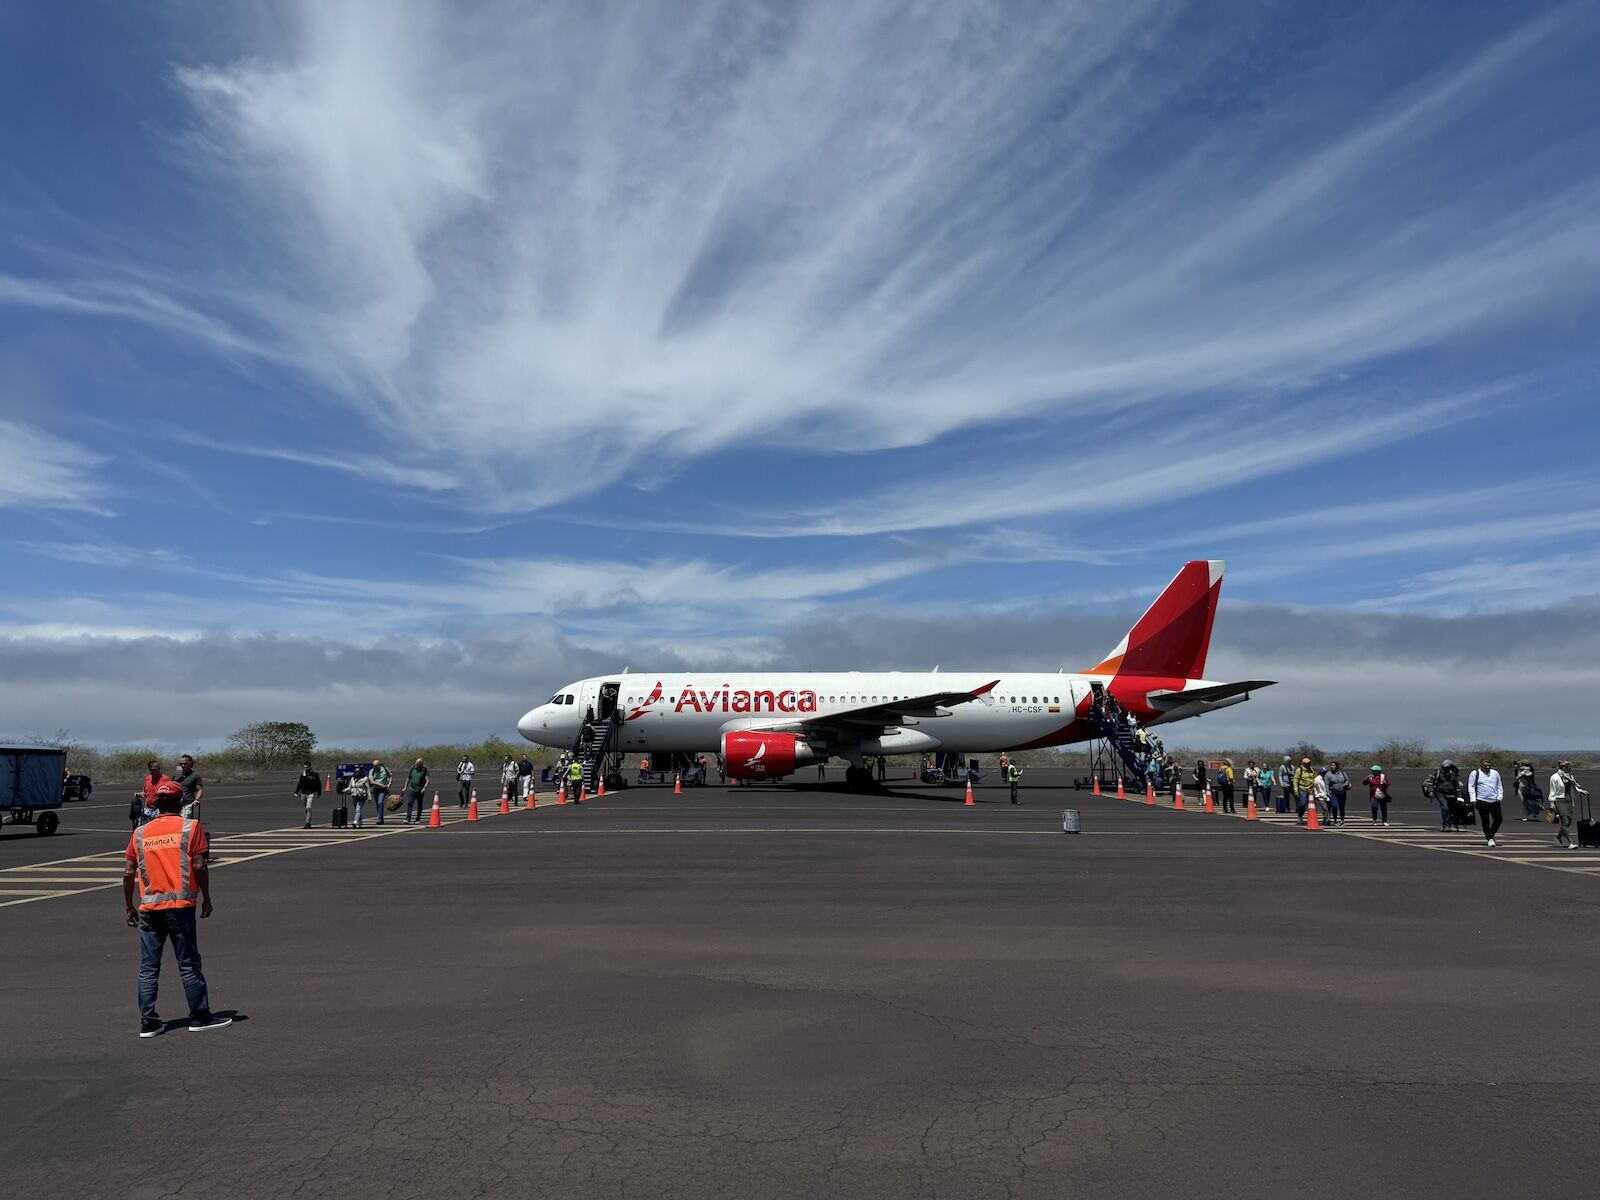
x=1491 y=841
x=1386 y=824
x=153 y=1027
x=202 y=1021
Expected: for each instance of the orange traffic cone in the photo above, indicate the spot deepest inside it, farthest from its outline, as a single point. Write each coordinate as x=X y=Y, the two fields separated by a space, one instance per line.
x=433 y=819
x=1097 y=785
x=472 y=806
x=1177 y=796
x=327 y=784
x=677 y=784
x=1250 y=808
x=1210 y=804
x=1312 y=820
x=1121 y=795
x=602 y=789
x=583 y=793
x=1149 y=793
x=530 y=794
x=969 y=793
x=505 y=800
x=561 y=794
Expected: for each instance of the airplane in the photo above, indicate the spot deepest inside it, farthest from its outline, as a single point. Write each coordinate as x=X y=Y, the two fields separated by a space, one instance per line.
x=769 y=725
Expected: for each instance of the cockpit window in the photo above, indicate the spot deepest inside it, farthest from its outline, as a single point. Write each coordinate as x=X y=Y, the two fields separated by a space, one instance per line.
x=569 y=698
x=556 y=699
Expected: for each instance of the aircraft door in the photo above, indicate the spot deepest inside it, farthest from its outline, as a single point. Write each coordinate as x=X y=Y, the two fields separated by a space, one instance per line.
x=1080 y=690
x=608 y=701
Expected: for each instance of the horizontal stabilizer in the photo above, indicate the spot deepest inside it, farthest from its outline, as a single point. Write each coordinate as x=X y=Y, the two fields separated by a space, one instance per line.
x=1167 y=701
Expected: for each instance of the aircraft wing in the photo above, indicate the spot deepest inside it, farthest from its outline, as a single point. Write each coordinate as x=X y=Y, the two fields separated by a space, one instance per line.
x=1167 y=701
x=873 y=719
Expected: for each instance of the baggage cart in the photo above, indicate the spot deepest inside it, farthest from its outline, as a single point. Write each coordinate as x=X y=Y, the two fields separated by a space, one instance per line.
x=30 y=786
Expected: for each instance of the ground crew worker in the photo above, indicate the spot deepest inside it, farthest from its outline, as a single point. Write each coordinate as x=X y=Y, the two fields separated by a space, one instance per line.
x=575 y=780
x=1014 y=777
x=166 y=860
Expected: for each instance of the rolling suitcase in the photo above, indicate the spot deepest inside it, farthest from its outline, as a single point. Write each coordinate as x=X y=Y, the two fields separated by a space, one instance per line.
x=1588 y=829
x=341 y=818
x=1463 y=813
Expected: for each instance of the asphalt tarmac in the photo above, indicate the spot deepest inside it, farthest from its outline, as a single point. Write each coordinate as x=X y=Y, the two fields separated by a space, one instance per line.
x=785 y=991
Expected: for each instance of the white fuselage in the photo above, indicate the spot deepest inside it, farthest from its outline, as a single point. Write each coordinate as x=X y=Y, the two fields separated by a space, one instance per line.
x=691 y=712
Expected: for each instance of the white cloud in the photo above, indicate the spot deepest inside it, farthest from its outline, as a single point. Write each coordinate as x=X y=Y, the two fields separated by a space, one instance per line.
x=38 y=469
x=688 y=229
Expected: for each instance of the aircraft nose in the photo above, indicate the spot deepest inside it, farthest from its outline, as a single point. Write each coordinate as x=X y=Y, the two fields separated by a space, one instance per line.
x=529 y=724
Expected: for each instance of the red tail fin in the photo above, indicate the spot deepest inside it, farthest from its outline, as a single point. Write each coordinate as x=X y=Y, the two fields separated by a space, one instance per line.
x=1172 y=637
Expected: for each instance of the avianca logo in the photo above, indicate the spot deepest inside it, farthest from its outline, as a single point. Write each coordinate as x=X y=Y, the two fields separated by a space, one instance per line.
x=733 y=700
x=654 y=696
x=754 y=760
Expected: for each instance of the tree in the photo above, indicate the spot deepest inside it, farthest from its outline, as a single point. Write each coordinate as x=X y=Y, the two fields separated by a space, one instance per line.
x=273 y=743
x=1403 y=752
x=1305 y=749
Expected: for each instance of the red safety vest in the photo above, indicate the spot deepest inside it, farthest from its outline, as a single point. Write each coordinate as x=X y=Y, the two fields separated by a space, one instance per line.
x=165 y=849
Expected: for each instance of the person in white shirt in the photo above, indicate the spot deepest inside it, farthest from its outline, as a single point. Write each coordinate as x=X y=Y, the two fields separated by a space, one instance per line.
x=1486 y=791
x=1563 y=791
x=464 y=772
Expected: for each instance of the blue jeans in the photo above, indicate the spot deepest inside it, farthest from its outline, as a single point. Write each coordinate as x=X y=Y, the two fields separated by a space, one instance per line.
x=155 y=928
x=1336 y=799
x=1301 y=800
x=379 y=797
x=413 y=800
x=1286 y=800
x=359 y=803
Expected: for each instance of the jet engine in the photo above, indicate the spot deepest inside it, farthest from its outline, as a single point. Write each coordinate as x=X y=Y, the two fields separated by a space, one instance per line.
x=764 y=755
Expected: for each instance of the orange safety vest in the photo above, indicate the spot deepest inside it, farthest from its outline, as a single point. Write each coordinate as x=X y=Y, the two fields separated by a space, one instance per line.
x=166 y=874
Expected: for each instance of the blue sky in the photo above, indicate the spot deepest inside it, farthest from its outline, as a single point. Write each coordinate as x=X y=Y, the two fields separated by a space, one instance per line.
x=388 y=363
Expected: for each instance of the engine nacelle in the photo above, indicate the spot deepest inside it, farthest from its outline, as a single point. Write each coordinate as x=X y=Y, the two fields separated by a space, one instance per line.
x=764 y=755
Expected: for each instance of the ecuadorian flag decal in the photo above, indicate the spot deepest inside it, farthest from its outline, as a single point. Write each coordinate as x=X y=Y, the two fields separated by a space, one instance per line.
x=1055 y=708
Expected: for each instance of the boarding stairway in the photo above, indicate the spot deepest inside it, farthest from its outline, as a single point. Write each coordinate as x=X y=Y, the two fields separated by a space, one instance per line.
x=1118 y=739
x=591 y=753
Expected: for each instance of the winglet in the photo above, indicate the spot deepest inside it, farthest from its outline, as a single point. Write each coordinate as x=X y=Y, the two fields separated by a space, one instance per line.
x=986 y=688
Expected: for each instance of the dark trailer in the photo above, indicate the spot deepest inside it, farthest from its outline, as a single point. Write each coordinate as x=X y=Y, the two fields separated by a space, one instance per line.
x=30 y=786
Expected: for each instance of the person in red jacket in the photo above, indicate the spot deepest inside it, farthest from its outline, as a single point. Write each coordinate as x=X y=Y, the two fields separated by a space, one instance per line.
x=166 y=865
x=1378 y=793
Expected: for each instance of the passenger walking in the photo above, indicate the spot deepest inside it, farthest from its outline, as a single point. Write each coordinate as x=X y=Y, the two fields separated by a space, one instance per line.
x=1225 y=785
x=883 y=768
x=525 y=776
x=508 y=777
x=1444 y=785
x=1320 y=793
x=1378 y=793
x=1528 y=790
x=1198 y=778
x=1286 y=785
x=1305 y=780
x=378 y=781
x=465 y=770
x=1014 y=778
x=1564 y=790
x=194 y=788
x=1338 y=792
x=1252 y=780
x=166 y=862
x=308 y=787
x=416 y=791
x=1486 y=792
x=360 y=791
